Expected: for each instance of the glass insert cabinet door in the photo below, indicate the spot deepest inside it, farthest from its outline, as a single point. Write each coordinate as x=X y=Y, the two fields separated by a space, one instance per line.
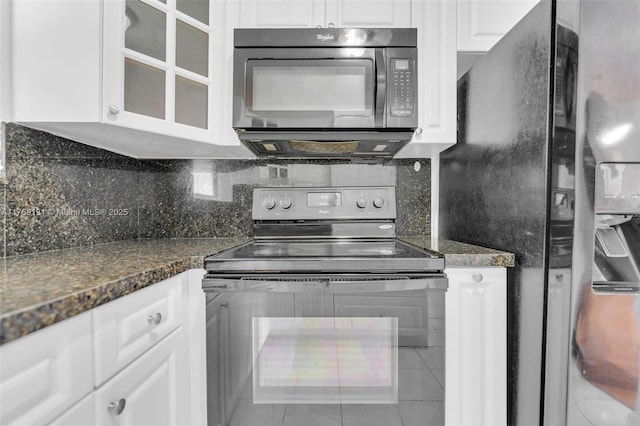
x=158 y=66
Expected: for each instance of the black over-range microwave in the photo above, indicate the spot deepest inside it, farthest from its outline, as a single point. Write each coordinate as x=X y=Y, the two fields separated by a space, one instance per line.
x=325 y=92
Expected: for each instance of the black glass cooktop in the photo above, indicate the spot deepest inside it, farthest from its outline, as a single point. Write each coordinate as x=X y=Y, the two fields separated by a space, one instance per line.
x=281 y=249
x=329 y=256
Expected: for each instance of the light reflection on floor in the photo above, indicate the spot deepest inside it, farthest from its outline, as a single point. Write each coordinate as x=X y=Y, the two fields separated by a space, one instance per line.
x=420 y=400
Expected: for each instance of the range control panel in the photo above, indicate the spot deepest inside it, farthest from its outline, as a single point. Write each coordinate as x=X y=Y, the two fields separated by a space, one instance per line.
x=330 y=203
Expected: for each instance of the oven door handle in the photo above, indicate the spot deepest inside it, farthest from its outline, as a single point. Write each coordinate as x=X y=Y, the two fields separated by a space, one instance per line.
x=324 y=286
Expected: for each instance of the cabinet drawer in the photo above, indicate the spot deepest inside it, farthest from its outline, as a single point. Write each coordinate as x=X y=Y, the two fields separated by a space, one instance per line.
x=45 y=373
x=127 y=327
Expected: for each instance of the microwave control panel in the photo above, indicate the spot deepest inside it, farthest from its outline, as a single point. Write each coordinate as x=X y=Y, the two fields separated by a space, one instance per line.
x=403 y=84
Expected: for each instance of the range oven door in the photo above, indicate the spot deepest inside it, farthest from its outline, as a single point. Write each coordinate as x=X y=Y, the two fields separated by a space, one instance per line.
x=324 y=88
x=284 y=355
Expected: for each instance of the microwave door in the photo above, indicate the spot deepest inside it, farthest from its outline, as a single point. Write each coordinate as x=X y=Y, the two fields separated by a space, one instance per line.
x=296 y=88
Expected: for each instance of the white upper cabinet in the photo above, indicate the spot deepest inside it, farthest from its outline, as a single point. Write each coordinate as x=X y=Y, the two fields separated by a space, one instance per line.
x=436 y=24
x=481 y=23
x=5 y=80
x=324 y=13
x=368 y=13
x=157 y=66
x=138 y=77
x=282 y=13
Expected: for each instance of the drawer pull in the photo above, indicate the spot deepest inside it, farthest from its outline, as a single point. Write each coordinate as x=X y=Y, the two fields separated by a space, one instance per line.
x=155 y=318
x=117 y=408
x=477 y=277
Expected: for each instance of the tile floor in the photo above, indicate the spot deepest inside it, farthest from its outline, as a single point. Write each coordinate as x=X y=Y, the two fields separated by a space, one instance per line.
x=420 y=400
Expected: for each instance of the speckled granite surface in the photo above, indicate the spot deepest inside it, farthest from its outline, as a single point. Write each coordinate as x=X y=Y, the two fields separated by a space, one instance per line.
x=39 y=290
x=61 y=194
x=457 y=254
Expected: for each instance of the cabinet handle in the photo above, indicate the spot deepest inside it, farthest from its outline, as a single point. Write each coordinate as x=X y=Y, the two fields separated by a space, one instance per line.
x=419 y=131
x=331 y=25
x=477 y=276
x=224 y=305
x=155 y=318
x=116 y=408
x=560 y=277
x=114 y=109
x=318 y=26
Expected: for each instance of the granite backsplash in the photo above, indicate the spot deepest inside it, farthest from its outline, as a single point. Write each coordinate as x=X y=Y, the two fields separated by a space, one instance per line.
x=60 y=194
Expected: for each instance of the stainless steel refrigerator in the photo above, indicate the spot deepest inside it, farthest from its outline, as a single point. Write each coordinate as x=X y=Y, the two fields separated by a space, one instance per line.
x=547 y=166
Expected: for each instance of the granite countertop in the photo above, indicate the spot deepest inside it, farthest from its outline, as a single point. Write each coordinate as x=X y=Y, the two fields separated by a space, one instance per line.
x=41 y=289
x=38 y=290
x=457 y=254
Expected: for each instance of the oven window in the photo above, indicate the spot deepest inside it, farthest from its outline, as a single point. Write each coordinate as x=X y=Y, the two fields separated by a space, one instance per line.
x=337 y=87
x=325 y=360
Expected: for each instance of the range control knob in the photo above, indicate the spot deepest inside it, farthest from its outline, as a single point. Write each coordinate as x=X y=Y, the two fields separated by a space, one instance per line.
x=378 y=202
x=362 y=202
x=285 y=203
x=269 y=203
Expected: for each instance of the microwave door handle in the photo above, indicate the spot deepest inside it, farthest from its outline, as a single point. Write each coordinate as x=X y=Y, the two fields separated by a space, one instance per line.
x=381 y=87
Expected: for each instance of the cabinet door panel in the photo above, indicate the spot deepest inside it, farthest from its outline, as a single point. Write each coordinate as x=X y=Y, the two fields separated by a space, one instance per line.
x=282 y=13
x=481 y=23
x=149 y=388
x=151 y=48
x=369 y=13
x=476 y=316
x=436 y=24
x=46 y=372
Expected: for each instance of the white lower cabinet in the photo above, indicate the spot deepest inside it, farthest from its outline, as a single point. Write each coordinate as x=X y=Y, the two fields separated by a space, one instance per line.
x=44 y=374
x=81 y=414
x=133 y=361
x=476 y=346
x=150 y=391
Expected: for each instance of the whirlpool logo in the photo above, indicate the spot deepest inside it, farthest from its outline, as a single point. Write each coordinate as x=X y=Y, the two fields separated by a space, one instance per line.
x=324 y=37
